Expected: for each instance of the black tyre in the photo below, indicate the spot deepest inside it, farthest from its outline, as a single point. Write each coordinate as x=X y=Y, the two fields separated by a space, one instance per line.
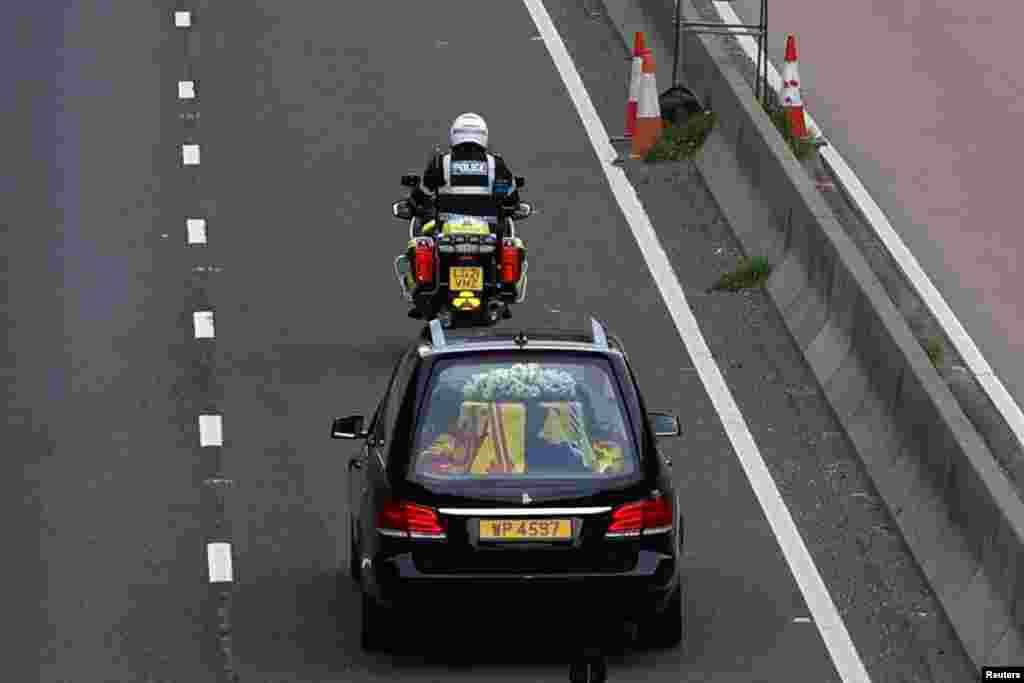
x=668 y=628
x=374 y=625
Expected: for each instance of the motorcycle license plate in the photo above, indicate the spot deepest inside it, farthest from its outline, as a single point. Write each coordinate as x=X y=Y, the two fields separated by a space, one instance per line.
x=466 y=279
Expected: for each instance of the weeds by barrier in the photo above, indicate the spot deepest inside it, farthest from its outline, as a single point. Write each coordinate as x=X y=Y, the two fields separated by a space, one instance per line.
x=749 y=273
x=803 y=148
x=683 y=142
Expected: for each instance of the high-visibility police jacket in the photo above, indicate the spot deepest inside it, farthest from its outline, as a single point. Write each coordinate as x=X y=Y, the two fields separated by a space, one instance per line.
x=467 y=180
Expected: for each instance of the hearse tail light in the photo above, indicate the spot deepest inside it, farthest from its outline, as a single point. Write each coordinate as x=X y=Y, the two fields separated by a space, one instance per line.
x=401 y=519
x=646 y=517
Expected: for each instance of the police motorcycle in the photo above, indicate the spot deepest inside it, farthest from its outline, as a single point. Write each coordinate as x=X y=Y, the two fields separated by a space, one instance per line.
x=460 y=269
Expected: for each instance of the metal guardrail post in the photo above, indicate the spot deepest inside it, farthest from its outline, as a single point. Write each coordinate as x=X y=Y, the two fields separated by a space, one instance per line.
x=759 y=30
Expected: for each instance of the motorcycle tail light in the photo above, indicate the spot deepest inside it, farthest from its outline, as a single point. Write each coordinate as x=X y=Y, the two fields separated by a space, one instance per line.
x=424 y=260
x=511 y=262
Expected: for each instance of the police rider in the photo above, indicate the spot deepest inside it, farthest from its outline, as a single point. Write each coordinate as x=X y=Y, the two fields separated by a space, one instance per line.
x=467 y=177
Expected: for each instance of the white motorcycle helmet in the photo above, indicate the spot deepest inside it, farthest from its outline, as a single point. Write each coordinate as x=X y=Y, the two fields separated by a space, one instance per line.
x=469 y=127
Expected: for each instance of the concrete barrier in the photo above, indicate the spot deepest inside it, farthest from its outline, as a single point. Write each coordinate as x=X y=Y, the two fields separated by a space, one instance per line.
x=956 y=509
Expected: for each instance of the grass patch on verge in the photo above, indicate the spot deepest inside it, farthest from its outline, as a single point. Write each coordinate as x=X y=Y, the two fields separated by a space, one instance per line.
x=933 y=347
x=803 y=148
x=682 y=142
x=749 y=273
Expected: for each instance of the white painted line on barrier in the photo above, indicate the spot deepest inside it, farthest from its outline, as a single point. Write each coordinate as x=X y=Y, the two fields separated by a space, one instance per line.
x=833 y=631
x=218 y=556
x=876 y=218
x=202 y=321
x=186 y=90
x=196 y=230
x=182 y=19
x=190 y=155
x=211 y=431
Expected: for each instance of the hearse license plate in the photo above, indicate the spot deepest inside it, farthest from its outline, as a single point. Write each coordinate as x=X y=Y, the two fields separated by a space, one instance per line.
x=466 y=279
x=525 y=529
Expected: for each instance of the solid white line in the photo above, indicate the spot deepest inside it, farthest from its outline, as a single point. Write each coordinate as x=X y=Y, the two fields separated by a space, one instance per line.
x=218 y=556
x=190 y=155
x=186 y=90
x=876 y=218
x=202 y=321
x=211 y=431
x=196 y=230
x=830 y=624
x=182 y=19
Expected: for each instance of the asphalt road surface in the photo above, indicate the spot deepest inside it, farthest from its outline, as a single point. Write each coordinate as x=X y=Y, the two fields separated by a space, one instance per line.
x=921 y=98
x=309 y=113
x=104 y=571
x=312 y=114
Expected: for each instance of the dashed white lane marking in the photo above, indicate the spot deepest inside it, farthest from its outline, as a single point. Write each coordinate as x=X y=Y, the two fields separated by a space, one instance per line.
x=190 y=155
x=196 y=230
x=211 y=431
x=833 y=631
x=218 y=556
x=182 y=19
x=202 y=321
x=186 y=90
x=876 y=218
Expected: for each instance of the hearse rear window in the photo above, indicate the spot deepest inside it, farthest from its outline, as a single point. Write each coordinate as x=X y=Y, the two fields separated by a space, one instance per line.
x=491 y=419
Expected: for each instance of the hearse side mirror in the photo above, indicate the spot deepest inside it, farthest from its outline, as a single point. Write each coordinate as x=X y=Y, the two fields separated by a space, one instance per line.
x=664 y=424
x=348 y=428
x=520 y=181
x=410 y=181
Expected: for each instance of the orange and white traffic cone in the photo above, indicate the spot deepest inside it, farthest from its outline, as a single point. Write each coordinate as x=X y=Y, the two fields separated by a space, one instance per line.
x=792 y=103
x=639 y=49
x=648 y=115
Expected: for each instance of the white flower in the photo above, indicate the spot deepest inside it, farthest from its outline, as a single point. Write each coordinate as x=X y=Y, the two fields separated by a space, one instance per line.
x=519 y=382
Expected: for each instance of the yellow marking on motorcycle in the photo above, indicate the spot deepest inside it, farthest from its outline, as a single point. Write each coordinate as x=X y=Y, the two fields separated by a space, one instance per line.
x=465 y=301
x=467 y=229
